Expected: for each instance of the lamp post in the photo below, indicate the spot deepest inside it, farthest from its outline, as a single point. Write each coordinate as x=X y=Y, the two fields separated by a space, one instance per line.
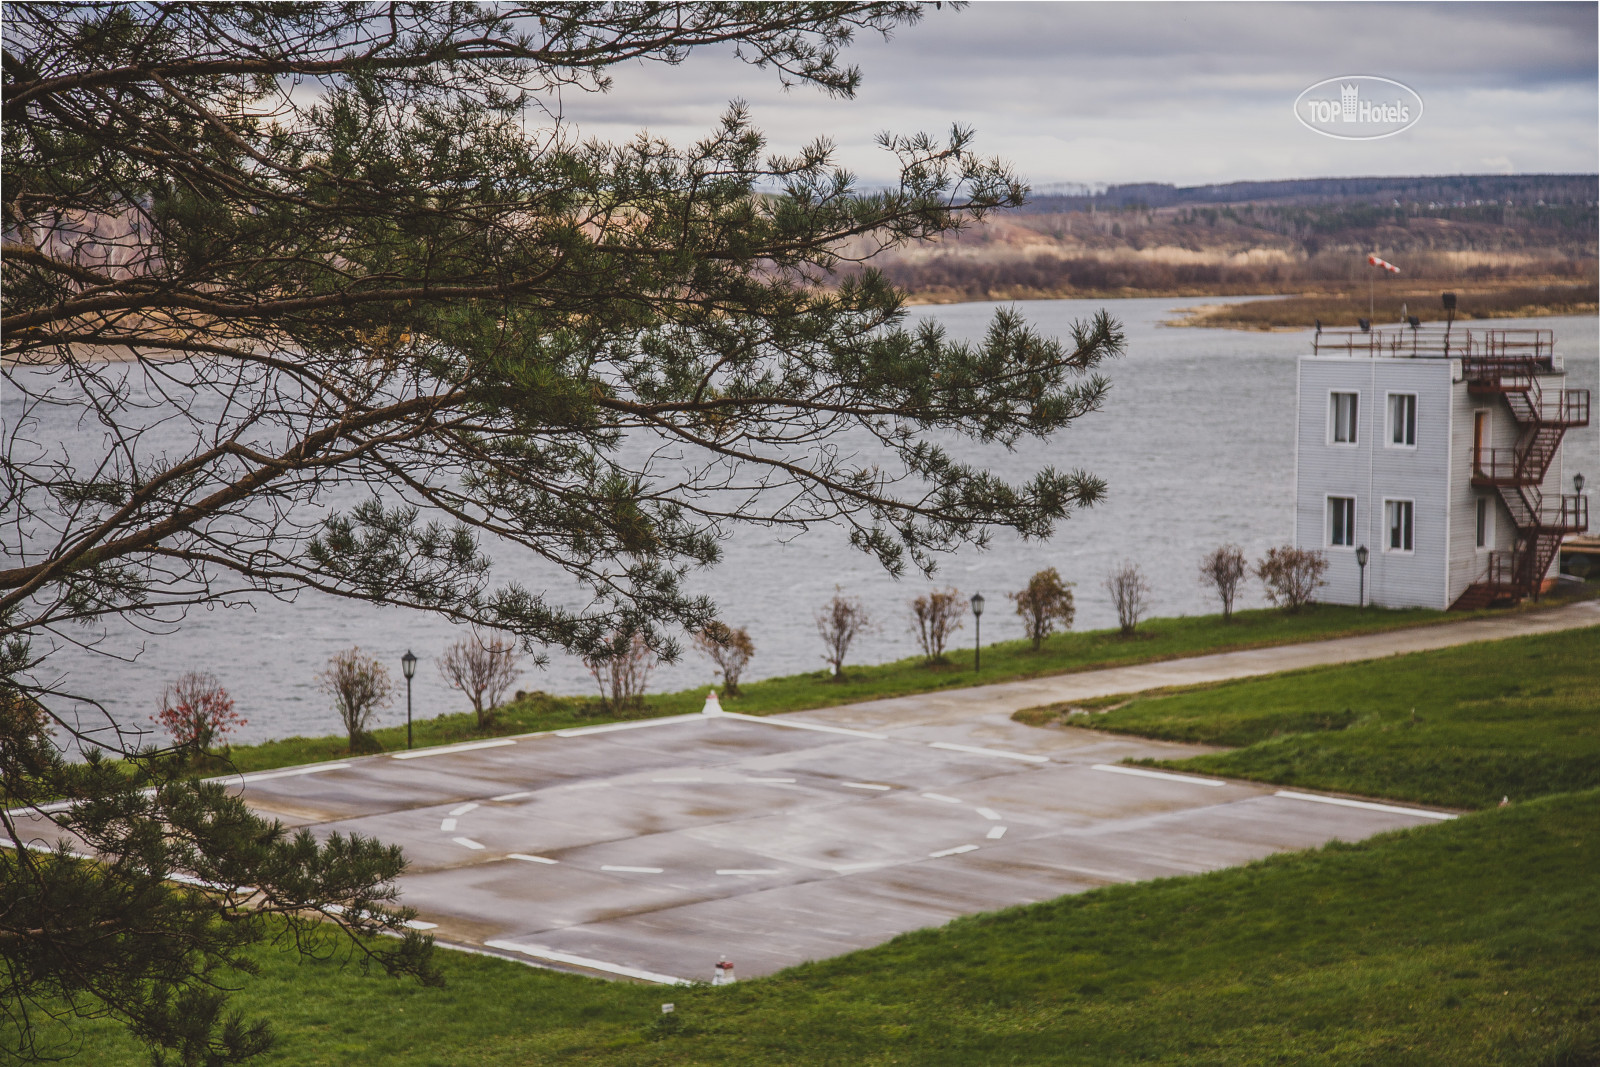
x=1361 y=562
x=977 y=631
x=1577 y=484
x=408 y=667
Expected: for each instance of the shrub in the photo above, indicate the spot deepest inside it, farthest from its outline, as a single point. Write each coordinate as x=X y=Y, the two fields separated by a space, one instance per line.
x=359 y=685
x=622 y=668
x=197 y=712
x=1130 y=592
x=1292 y=575
x=729 y=649
x=937 y=615
x=1045 y=602
x=839 y=623
x=1223 y=569
x=482 y=670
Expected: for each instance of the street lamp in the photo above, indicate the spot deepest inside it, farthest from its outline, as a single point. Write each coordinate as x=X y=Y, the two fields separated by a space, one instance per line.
x=977 y=631
x=1361 y=562
x=408 y=667
x=1577 y=484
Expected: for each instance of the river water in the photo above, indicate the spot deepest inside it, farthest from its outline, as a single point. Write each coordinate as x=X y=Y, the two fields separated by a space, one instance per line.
x=1196 y=441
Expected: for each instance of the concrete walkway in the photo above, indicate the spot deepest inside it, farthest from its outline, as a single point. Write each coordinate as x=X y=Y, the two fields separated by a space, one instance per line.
x=991 y=704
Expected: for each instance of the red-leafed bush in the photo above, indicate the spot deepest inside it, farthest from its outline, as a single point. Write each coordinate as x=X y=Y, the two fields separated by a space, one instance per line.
x=197 y=712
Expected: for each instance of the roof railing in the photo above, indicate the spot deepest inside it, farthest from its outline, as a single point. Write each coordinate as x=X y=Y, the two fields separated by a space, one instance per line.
x=1438 y=342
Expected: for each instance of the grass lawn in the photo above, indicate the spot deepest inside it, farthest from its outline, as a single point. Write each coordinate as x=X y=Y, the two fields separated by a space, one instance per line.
x=1460 y=727
x=1468 y=942
x=1156 y=639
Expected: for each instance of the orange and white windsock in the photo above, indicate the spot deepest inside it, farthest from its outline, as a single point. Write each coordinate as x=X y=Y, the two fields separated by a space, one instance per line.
x=1384 y=263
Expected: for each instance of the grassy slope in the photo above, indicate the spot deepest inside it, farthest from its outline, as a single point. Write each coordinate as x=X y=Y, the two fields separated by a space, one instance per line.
x=1468 y=942
x=1460 y=726
x=1157 y=639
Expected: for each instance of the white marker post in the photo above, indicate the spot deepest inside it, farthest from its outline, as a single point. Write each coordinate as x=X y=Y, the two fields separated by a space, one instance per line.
x=713 y=705
x=722 y=972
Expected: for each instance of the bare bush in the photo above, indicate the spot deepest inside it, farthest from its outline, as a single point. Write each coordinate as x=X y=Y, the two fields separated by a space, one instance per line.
x=359 y=685
x=197 y=711
x=622 y=670
x=1292 y=575
x=1130 y=592
x=937 y=615
x=483 y=670
x=839 y=623
x=730 y=649
x=1223 y=569
x=1046 y=601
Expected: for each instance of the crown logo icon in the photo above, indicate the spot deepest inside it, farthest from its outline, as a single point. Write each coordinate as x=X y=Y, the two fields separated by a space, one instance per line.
x=1347 y=102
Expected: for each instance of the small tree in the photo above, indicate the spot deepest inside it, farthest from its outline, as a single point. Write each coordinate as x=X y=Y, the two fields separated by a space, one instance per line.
x=1223 y=569
x=359 y=685
x=1292 y=575
x=1130 y=592
x=729 y=649
x=937 y=615
x=839 y=623
x=197 y=712
x=1046 y=601
x=483 y=670
x=622 y=669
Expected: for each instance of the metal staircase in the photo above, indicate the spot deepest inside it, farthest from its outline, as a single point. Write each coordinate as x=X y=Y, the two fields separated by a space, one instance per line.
x=1518 y=473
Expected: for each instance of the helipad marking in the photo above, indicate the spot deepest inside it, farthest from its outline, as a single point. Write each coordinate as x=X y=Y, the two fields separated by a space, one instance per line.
x=446 y=825
x=942 y=798
x=775 y=721
x=772 y=781
x=541 y=953
x=953 y=851
x=418 y=924
x=1027 y=756
x=1368 y=805
x=513 y=796
x=751 y=870
x=462 y=810
x=292 y=772
x=529 y=859
x=1142 y=773
x=631 y=870
x=446 y=750
x=675 y=781
x=988 y=813
x=864 y=785
x=637 y=724
x=996 y=833
x=844 y=868
x=466 y=842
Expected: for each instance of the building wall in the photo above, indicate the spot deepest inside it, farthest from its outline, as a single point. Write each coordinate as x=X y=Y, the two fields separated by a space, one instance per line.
x=1373 y=472
x=1468 y=563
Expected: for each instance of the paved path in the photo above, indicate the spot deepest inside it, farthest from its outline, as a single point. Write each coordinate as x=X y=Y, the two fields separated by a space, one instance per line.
x=953 y=706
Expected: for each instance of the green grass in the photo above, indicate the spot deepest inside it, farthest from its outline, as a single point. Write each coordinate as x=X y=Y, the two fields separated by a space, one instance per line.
x=1157 y=639
x=1471 y=942
x=1460 y=727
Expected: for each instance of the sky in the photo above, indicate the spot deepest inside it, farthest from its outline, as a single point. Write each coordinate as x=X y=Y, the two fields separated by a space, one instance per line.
x=1189 y=93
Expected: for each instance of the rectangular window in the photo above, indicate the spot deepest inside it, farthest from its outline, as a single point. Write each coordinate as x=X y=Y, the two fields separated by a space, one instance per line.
x=1485 y=519
x=1403 y=419
x=1397 y=515
x=1341 y=520
x=1342 y=418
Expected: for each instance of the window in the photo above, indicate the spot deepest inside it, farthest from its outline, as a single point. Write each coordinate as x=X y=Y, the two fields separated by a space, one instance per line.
x=1485 y=522
x=1342 y=418
x=1341 y=520
x=1403 y=419
x=1397 y=516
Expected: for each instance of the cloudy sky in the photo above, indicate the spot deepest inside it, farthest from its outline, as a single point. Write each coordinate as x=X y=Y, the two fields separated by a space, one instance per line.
x=1186 y=93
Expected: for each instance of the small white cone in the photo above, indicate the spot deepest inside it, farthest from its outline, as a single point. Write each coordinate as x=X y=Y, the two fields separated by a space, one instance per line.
x=713 y=705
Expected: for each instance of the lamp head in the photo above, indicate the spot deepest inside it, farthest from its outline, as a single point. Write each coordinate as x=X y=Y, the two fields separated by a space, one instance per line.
x=1361 y=556
x=1415 y=322
x=1449 y=301
x=1577 y=483
x=1365 y=324
x=408 y=664
x=977 y=604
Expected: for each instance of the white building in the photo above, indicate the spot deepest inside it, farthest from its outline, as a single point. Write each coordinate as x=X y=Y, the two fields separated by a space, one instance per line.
x=1439 y=451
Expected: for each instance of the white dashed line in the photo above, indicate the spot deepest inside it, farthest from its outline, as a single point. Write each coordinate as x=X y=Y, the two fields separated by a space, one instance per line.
x=859 y=867
x=953 y=851
x=752 y=870
x=773 y=781
x=466 y=842
x=463 y=809
x=941 y=798
x=1026 y=756
x=996 y=833
x=1142 y=773
x=529 y=859
x=632 y=870
x=988 y=813
x=1368 y=805
x=674 y=781
x=446 y=750
x=539 y=952
x=864 y=785
x=512 y=796
x=447 y=825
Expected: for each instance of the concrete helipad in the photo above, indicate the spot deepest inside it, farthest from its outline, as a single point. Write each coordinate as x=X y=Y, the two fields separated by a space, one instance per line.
x=652 y=849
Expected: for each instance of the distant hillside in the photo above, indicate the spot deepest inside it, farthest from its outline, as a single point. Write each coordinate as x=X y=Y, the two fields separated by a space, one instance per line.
x=1464 y=190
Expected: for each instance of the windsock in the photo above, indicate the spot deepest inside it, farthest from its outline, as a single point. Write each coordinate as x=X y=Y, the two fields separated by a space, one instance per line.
x=1384 y=263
